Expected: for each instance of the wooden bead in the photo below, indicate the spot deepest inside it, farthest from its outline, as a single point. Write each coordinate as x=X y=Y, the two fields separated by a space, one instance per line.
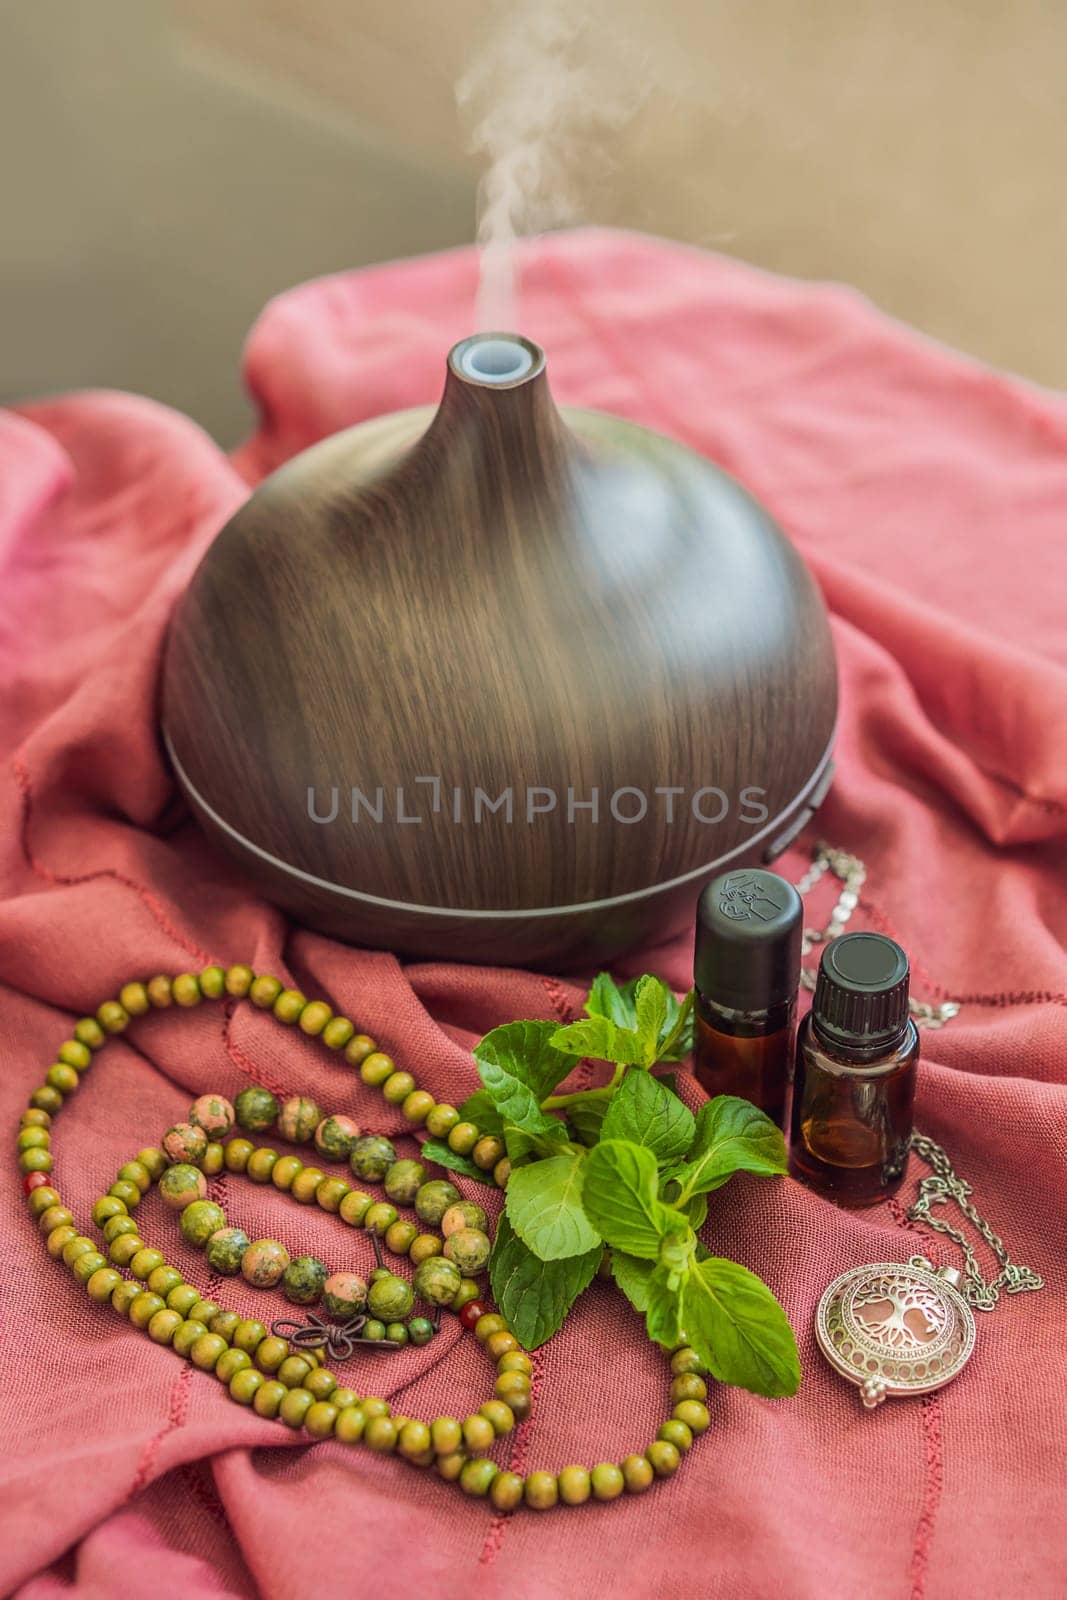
x=159 y=992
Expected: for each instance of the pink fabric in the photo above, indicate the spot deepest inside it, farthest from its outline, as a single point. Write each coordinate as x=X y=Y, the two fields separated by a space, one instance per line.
x=930 y=497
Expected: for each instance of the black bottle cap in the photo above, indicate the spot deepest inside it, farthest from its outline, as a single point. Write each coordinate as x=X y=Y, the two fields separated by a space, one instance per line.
x=861 y=996
x=749 y=928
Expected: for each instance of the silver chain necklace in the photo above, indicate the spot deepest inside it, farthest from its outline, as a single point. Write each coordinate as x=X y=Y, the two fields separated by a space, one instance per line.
x=899 y=1328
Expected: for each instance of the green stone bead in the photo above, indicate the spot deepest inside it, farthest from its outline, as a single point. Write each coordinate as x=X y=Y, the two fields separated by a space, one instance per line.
x=62 y=1078
x=181 y=1185
x=145 y=1262
x=239 y=980
x=249 y=1335
x=270 y=1353
x=33 y=1139
x=225 y=1250
x=243 y=1385
x=423 y=1248
x=256 y=1109
x=163 y=1326
x=185 y=1142
x=109 y=1205
x=397 y=1087
x=295 y=1407
x=321 y=1417
x=87 y=1264
x=263 y=992
x=103 y=1283
x=469 y=1248
x=305 y=1186
x=464 y=1214
x=124 y=1294
x=205 y=1351
x=236 y=1154
x=390 y=1298
x=441 y=1120
x=134 y=1172
x=676 y=1433
x=436 y=1281
x=212 y=982
x=380 y=1218
x=337 y=1032
x=693 y=1414
x=401 y=1236
x=261 y=1164
x=373 y=1329
x=397 y=1332
x=127 y=1192
x=380 y=1435
x=123 y=1249
x=330 y=1193
x=230 y=1363
x=117 y=1225
x=637 y=1474
x=607 y=1481
x=321 y=1383
x=377 y=1068
x=351 y=1421
x=268 y=1398
x=163 y=1279
x=506 y=1491
x=298 y=1118
x=314 y=1017
x=462 y=1138
x=200 y=1220
x=344 y=1295
x=288 y=1006
x=371 y=1157
x=183 y=1298
x=89 y=1032
x=354 y=1207
x=664 y=1458
x=420 y=1330
x=403 y=1180
x=335 y=1137
x=303 y=1280
x=143 y=1308
x=434 y=1199
x=477 y=1476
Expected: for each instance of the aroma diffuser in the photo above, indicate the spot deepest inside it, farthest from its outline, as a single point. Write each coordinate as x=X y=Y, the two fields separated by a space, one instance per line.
x=499 y=682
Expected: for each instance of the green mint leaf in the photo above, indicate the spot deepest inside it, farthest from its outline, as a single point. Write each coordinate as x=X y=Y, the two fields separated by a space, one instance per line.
x=632 y=1275
x=677 y=1040
x=620 y=1198
x=738 y=1329
x=586 y=1116
x=516 y=1102
x=437 y=1151
x=521 y=1144
x=601 y=1040
x=606 y=999
x=479 y=1109
x=536 y=1295
x=663 y=1318
x=650 y=1005
x=731 y=1136
x=527 y=1051
x=644 y=1112
x=544 y=1206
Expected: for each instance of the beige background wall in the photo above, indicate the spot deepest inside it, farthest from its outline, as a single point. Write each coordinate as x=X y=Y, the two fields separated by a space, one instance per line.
x=168 y=164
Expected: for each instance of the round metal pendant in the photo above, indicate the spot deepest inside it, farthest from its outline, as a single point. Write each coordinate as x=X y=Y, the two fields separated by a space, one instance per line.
x=895 y=1328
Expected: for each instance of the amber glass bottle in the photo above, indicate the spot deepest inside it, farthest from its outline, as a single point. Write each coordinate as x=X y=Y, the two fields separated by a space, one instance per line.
x=746 y=968
x=854 y=1085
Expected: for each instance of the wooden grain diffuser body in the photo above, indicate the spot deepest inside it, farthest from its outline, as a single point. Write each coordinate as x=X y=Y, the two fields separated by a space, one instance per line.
x=432 y=612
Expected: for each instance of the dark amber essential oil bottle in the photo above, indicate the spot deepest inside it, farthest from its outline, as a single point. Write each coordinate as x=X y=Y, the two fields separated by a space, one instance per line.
x=854 y=1086
x=746 y=968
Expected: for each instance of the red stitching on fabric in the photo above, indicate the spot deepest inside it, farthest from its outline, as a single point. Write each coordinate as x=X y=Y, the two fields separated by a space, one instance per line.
x=149 y=900
x=177 y=1411
x=242 y=1062
x=933 y=1457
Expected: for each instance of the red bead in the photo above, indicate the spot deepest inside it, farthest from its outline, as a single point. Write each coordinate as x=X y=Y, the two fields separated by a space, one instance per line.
x=471 y=1312
x=34 y=1180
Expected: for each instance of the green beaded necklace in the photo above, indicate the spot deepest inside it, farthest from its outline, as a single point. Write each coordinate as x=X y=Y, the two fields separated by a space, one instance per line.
x=268 y=1372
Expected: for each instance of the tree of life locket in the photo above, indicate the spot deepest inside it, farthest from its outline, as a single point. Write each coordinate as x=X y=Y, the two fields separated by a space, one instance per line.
x=895 y=1328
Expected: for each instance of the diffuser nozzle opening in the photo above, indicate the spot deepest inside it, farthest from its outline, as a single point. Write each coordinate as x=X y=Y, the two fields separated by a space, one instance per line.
x=496 y=358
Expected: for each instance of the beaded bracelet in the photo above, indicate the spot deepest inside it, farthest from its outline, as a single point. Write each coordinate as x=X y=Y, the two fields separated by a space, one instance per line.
x=265 y=1371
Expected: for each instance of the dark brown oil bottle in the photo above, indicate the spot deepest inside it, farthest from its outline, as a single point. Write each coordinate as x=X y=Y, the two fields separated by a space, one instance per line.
x=746 y=968
x=854 y=1085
